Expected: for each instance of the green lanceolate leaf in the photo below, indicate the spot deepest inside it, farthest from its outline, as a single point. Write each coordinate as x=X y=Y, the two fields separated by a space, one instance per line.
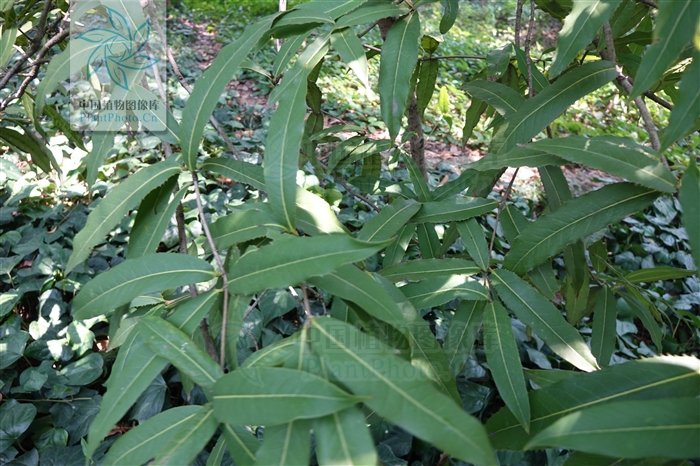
x=273 y=395
x=689 y=193
x=344 y=439
x=655 y=274
x=145 y=441
x=397 y=248
x=542 y=277
x=285 y=444
x=399 y=57
x=455 y=209
x=190 y=438
x=389 y=221
x=370 y=148
x=518 y=157
x=243 y=226
x=427 y=76
x=428 y=241
x=209 y=86
x=539 y=81
x=450 y=15
x=546 y=377
x=504 y=99
x=504 y=362
x=352 y=284
x=687 y=110
x=40 y=154
x=290 y=47
x=604 y=325
x=462 y=332
x=307 y=61
x=675 y=27
x=370 y=13
x=646 y=379
x=242 y=172
x=315 y=216
x=153 y=218
x=419 y=184
x=607 y=155
x=631 y=429
x=535 y=311
x=110 y=211
x=172 y=344
x=535 y=114
x=288 y=261
x=282 y=152
x=134 y=277
x=9 y=34
x=61 y=124
x=422 y=269
x=580 y=27
x=396 y=390
x=574 y=220
x=436 y=291
x=171 y=134
x=475 y=242
x=241 y=444
x=350 y=49
x=643 y=310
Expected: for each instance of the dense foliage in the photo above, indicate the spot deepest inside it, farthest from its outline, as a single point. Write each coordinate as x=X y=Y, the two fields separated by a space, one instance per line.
x=295 y=284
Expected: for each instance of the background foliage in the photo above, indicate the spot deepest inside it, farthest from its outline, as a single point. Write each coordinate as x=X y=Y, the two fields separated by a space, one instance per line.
x=540 y=310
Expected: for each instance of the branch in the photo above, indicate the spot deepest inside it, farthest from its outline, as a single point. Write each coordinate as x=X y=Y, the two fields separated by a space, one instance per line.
x=518 y=22
x=528 y=43
x=653 y=97
x=448 y=57
x=219 y=263
x=504 y=199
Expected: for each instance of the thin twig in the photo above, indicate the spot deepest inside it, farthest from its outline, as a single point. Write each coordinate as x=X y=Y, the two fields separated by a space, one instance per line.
x=518 y=22
x=372 y=47
x=255 y=303
x=449 y=57
x=528 y=44
x=650 y=3
x=307 y=307
x=219 y=263
x=366 y=31
x=353 y=193
x=504 y=199
x=609 y=54
x=651 y=96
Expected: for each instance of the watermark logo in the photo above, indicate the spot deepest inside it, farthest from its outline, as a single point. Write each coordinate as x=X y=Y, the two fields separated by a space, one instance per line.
x=120 y=49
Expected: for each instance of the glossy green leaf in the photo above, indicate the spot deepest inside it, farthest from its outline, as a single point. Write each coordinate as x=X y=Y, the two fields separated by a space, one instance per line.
x=62 y=125
x=397 y=248
x=580 y=27
x=504 y=362
x=428 y=241
x=631 y=429
x=40 y=154
x=689 y=193
x=282 y=152
x=333 y=8
x=110 y=211
x=207 y=91
x=245 y=225
x=241 y=444
x=145 y=441
x=674 y=29
x=153 y=218
x=344 y=439
x=422 y=269
x=389 y=221
x=607 y=155
x=542 y=277
x=546 y=377
x=455 y=209
x=475 y=242
x=642 y=311
x=363 y=151
x=343 y=150
x=604 y=324
x=289 y=48
x=315 y=216
x=370 y=13
x=427 y=76
x=171 y=134
x=419 y=184
x=350 y=49
x=288 y=261
x=274 y=395
x=134 y=277
x=456 y=186
x=449 y=16
x=15 y=419
x=539 y=81
x=217 y=453
x=436 y=291
x=656 y=274
x=285 y=444
x=172 y=344
x=237 y=170
x=518 y=157
x=399 y=58
x=313 y=15
x=645 y=379
x=9 y=34
x=576 y=219
x=426 y=353
x=536 y=113
x=189 y=439
x=687 y=110
x=535 y=311
x=504 y=99
x=461 y=333
x=307 y=61
x=397 y=391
